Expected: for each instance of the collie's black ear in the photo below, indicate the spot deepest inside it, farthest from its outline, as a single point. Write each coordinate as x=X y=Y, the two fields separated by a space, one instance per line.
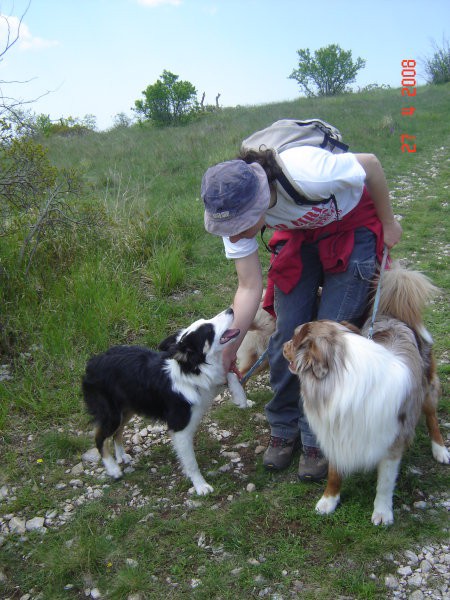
x=190 y=351
x=169 y=342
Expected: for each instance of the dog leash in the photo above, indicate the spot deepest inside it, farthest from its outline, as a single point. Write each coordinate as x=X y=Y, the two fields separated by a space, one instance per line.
x=377 y=294
x=254 y=367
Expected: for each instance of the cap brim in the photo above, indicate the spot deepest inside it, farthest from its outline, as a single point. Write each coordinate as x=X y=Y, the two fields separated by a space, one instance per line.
x=235 y=225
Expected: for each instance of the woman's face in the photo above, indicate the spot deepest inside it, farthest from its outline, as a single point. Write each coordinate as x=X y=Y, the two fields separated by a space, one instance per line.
x=248 y=233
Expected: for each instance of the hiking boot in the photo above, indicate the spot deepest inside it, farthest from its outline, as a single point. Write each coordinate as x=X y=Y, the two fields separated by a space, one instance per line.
x=313 y=466
x=279 y=453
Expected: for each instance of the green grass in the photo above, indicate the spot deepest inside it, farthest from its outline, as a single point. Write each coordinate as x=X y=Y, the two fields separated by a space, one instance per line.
x=148 y=269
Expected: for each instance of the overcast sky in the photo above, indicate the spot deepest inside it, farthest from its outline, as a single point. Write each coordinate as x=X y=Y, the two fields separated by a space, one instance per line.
x=82 y=57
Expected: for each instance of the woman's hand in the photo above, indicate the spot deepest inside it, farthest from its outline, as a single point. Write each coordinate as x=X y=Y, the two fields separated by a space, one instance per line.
x=392 y=233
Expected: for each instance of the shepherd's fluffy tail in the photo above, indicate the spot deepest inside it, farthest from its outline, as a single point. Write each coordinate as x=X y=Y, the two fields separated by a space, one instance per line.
x=404 y=294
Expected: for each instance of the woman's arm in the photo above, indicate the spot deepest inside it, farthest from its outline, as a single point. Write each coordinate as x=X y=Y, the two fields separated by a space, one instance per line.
x=378 y=188
x=246 y=301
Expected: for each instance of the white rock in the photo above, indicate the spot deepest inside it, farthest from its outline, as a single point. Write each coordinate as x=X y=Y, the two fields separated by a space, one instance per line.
x=251 y=487
x=391 y=582
x=130 y=562
x=415 y=580
x=77 y=469
x=17 y=525
x=404 y=571
x=95 y=593
x=91 y=456
x=36 y=523
x=231 y=455
x=425 y=566
x=411 y=557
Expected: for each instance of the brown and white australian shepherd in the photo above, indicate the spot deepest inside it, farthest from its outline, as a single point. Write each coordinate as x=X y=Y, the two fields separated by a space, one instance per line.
x=363 y=397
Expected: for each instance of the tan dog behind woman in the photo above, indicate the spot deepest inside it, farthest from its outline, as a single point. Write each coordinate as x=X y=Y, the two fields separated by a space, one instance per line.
x=256 y=341
x=362 y=397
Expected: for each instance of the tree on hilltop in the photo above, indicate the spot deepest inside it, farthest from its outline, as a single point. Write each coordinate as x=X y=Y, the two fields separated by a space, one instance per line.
x=168 y=101
x=328 y=72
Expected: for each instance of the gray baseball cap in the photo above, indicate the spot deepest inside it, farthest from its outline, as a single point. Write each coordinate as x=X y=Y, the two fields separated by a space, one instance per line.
x=236 y=195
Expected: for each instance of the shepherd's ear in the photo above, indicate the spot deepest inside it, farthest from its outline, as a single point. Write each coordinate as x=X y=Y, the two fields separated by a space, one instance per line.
x=351 y=327
x=318 y=357
x=300 y=334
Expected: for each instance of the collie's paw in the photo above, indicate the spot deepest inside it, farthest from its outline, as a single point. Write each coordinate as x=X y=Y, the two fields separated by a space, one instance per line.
x=112 y=468
x=383 y=516
x=203 y=489
x=122 y=457
x=237 y=392
x=440 y=453
x=327 y=504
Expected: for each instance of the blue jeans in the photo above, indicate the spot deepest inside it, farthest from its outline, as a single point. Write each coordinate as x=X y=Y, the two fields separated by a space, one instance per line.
x=344 y=298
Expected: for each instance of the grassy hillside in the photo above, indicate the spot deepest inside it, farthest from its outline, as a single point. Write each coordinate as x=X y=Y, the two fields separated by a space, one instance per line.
x=148 y=268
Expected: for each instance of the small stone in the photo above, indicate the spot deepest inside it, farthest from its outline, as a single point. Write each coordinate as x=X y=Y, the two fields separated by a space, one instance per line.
x=130 y=562
x=95 y=593
x=420 y=505
x=36 y=523
x=417 y=595
x=404 y=571
x=411 y=557
x=231 y=455
x=251 y=487
x=259 y=449
x=17 y=525
x=77 y=469
x=225 y=468
x=442 y=569
x=391 y=582
x=425 y=566
x=415 y=580
x=91 y=456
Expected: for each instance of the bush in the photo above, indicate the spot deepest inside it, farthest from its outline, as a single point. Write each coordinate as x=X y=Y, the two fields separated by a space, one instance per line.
x=437 y=68
x=328 y=72
x=168 y=101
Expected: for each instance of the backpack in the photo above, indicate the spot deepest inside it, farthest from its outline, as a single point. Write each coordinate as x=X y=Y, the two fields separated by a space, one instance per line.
x=290 y=133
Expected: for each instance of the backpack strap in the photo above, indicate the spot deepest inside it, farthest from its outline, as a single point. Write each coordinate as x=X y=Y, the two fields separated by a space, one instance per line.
x=331 y=141
x=292 y=190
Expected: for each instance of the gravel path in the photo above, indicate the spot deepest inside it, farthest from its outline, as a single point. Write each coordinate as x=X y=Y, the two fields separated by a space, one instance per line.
x=422 y=572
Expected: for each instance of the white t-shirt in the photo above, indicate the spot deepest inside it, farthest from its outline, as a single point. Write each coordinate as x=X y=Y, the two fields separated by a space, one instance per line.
x=319 y=174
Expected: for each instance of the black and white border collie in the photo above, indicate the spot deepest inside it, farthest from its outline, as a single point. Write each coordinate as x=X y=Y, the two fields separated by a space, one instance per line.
x=176 y=385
